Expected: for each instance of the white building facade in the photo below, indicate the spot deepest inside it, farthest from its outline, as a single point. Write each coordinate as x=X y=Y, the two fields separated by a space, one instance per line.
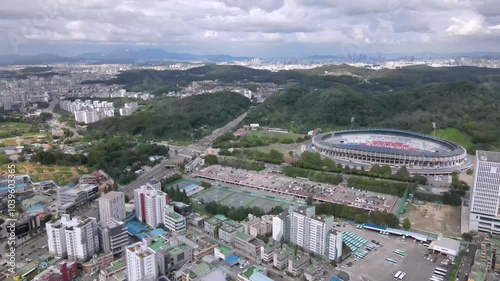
x=112 y=206
x=141 y=263
x=75 y=238
x=150 y=204
x=485 y=200
x=334 y=245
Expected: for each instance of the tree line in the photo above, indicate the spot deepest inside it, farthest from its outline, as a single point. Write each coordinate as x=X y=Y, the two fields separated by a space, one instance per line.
x=240 y=213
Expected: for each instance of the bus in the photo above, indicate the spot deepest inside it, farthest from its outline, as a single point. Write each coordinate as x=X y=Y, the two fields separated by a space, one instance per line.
x=391 y=261
x=396 y=276
x=439 y=273
x=399 y=253
x=402 y=276
x=441 y=269
x=436 y=278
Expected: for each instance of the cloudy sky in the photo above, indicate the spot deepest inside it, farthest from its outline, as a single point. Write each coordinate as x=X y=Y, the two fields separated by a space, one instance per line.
x=250 y=27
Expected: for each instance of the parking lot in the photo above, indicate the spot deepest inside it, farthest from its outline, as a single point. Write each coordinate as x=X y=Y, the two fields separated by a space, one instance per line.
x=374 y=267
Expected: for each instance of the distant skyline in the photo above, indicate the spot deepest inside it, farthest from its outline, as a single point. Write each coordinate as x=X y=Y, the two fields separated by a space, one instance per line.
x=260 y=28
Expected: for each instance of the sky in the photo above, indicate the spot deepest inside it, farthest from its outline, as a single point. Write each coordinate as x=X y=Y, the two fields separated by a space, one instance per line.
x=261 y=28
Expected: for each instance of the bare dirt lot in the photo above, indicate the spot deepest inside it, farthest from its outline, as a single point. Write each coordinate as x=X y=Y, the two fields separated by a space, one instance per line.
x=436 y=218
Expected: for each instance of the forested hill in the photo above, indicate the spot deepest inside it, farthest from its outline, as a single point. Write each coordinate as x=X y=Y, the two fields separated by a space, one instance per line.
x=465 y=98
x=175 y=118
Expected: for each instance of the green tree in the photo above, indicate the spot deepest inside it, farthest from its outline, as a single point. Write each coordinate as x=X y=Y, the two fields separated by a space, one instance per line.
x=406 y=224
x=211 y=159
x=127 y=199
x=467 y=236
x=309 y=200
x=403 y=173
x=470 y=171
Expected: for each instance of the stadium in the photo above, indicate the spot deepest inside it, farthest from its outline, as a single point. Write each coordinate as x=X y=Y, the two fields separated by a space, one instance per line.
x=421 y=154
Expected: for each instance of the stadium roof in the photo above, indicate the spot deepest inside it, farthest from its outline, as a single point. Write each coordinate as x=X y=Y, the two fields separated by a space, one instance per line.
x=455 y=149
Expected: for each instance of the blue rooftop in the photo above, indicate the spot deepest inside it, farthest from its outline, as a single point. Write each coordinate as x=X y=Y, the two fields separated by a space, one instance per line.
x=158 y=232
x=257 y=276
x=232 y=260
x=35 y=208
x=136 y=229
x=335 y=278
x=190 y=187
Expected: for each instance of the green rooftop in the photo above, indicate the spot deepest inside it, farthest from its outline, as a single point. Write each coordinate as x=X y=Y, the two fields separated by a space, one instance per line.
x=212 y=221
x=199 y=269
x=158 y=243
x=242 y=235
x=220 y=217
x=175 y=216
x=116 y=265
x=181 y=248
x=251 y=270
x=224 y=250
x=232 y=223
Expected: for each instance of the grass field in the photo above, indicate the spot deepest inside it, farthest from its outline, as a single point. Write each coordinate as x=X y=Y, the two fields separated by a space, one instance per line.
x=283 y=148
x=26 y=140
x=262 y=133
x=13 y=129
x=454 y=135
x=59 y=174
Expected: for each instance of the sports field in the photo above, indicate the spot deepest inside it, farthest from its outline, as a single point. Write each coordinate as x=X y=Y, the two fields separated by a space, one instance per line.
x=454 y=135
x=240 y=198
x=267 y=134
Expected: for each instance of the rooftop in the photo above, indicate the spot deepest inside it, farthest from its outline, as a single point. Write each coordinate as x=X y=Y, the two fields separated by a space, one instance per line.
x=242 y=235
x=251 y=270
x=220 y=217
x=212 y=221
x=224 y=250
x=181 y=248
x=116 y=265
x=175 y=216
x=159 y=243
x=488 y=156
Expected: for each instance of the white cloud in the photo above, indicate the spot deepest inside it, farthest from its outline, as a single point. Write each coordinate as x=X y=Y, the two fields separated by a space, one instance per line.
x=367 y=24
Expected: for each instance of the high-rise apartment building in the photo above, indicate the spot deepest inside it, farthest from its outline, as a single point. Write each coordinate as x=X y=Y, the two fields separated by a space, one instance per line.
x=75 y=238
x=150 y=204
x=141 y=263
x=113 y=236
x=334 y=245
x=302 y=227
x=485 y=200
x=112 y=206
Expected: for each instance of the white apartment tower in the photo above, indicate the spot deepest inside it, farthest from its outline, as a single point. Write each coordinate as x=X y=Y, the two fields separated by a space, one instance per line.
x=485 y=199
x=141 y=262
x=150 y=204
x=334 y=245
x=299 y=225
x=75 y=238
x=112 y=206
x=318 y=234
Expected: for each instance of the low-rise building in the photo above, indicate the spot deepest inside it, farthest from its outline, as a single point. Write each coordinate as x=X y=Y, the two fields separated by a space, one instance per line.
x=197 y=272
x=296 y=264
x=313 y=271
x=266 y=252
x=211 y=226
x=259 y=226
x=62 y=271
x=254 y=273
x=117 y=266
x=249 y=245
x=204 y=248
x=174 y=257
x=174 y=222
x=280 y=257
x=222 y=252
x=97 y=263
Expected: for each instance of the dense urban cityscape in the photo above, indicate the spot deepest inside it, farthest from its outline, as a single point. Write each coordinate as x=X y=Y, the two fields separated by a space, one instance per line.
x=223 y=140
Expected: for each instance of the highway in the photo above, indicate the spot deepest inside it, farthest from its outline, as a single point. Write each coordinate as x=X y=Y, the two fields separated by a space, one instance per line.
x=160 y=171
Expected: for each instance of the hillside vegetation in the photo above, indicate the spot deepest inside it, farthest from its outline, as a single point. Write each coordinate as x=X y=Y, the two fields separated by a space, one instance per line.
x=175 y=118
x=466 y=99
x=463 y=100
